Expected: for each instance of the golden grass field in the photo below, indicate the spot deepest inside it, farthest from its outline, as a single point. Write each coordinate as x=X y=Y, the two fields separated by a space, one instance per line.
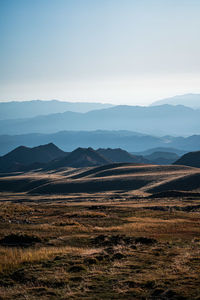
x=108 y=244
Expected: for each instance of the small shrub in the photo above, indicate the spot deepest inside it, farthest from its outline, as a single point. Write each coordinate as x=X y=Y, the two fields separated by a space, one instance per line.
x=19 y=240
x=90 y=261
x=76 y=279
x=117 y=255
x=145 y=241
x=77 y=268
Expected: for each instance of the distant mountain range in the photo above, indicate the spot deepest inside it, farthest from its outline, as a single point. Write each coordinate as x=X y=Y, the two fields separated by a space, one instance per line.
x=51 y=157
x=190 y=100
x=136 y=143
x=153 y=120
x=29 y=109
x=33 y=108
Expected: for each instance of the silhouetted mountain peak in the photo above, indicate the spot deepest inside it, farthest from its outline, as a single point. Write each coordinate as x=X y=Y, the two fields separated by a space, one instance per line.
x=25 y=156
x=80 y=157
x=49 y=146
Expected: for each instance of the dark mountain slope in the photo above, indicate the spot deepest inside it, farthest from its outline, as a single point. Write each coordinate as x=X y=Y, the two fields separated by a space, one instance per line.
x=81 y=157
x=191 y=159
x=162 y=158
x=23 y=156
x=119 y=155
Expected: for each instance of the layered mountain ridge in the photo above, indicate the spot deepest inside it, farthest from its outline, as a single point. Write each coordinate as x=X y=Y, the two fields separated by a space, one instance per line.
x=152 y=120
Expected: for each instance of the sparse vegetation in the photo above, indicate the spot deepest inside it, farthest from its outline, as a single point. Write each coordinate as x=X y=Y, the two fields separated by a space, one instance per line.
x=100 y=249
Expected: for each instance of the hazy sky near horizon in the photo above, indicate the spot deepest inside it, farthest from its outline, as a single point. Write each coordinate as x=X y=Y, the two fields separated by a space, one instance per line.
x=117 y=51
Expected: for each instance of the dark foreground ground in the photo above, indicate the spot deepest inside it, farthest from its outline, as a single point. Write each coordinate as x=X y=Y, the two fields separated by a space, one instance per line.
x=99 y=246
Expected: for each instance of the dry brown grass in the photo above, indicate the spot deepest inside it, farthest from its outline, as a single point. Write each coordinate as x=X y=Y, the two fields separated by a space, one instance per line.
x=68 y=232
x=11 y=258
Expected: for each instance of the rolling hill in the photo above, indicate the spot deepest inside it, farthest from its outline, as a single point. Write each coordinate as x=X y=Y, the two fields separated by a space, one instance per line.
x=191 y=159
x=126 y=177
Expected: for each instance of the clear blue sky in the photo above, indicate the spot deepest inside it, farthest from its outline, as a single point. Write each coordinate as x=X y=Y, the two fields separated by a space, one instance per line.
x=120 y=51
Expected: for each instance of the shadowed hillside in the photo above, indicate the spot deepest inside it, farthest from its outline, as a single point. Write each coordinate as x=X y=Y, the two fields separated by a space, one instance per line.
x=190 y=159
x=183 y=183
x=119 y=155
x=23 y=156
x=162 y=158
x=140 y=178
x=81 y=157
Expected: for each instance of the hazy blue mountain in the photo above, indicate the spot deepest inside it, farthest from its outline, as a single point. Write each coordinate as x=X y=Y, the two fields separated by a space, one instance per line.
x=129 y=141
x=190 y=100
x=119 y=155
x=162 y=158
x=70 y=140
x=155 y=120
x=162 y=149
x=191 y=159
x=28 y=109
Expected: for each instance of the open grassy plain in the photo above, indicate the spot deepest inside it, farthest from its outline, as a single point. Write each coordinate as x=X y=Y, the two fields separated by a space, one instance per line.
x=117 y=243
